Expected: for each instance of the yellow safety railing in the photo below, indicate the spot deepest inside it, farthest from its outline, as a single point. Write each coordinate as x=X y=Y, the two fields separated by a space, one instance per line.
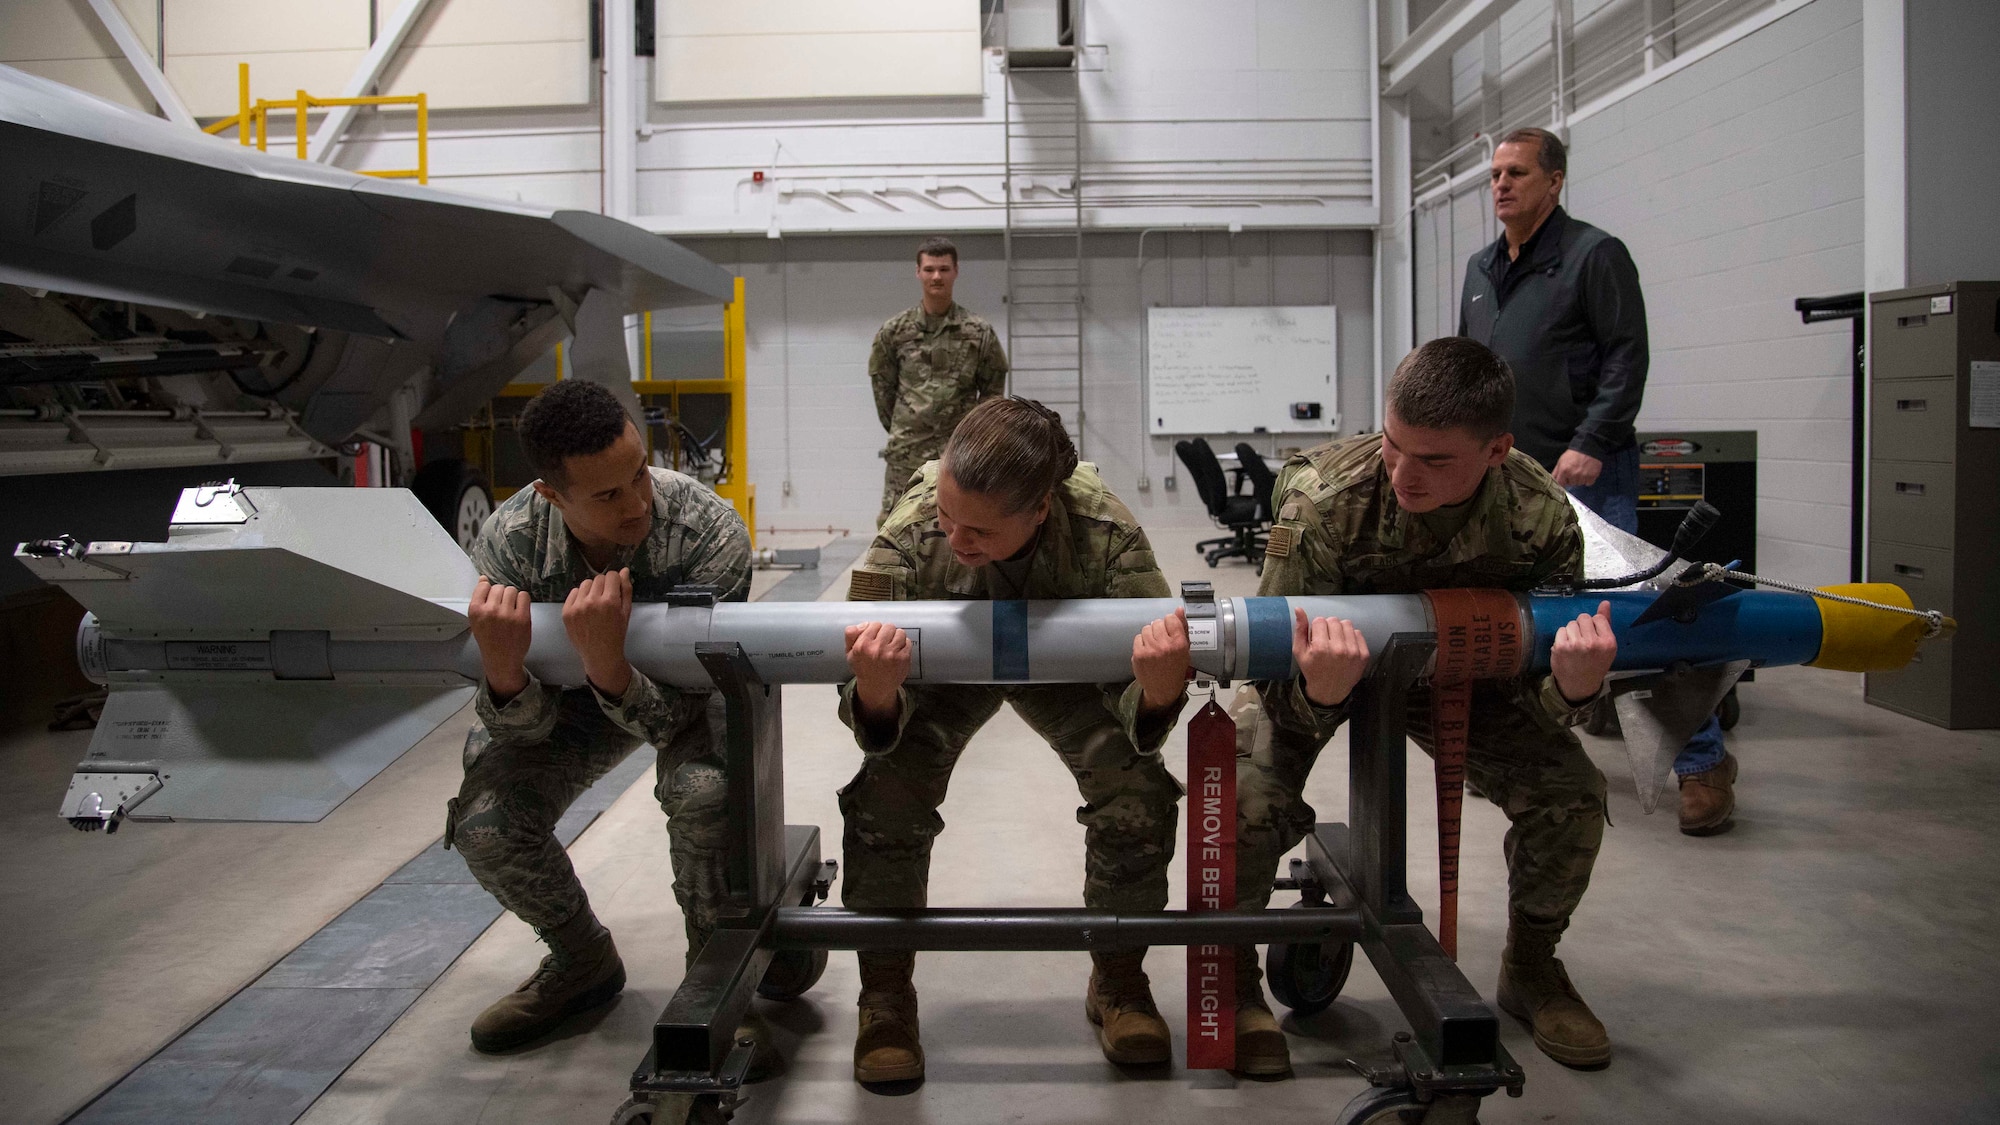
x=253 y=118
x=735 y=486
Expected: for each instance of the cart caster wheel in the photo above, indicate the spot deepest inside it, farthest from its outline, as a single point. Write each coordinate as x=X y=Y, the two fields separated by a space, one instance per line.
x=637 y=1110
x=671 y=1109
x=1398 y=1105
x=1730 y=711
x=792 y=974
x=1307 y=978
x=708 y=1111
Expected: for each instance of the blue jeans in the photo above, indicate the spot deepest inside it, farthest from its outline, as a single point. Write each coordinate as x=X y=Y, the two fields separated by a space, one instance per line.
x=1615 y=496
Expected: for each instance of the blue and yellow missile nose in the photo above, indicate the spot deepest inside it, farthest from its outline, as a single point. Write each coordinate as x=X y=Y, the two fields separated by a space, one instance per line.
x=1767 y=628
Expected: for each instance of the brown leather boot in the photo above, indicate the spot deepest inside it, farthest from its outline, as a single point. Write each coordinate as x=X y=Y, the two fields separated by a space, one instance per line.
x=1261 y=1049
x=1535 y=989
x=1120 y=1002
x=1708 y=798
x=581 y=972
x=886 y=1048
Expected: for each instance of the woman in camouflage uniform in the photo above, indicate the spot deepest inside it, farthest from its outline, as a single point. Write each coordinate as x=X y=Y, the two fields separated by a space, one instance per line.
x=1009 y=513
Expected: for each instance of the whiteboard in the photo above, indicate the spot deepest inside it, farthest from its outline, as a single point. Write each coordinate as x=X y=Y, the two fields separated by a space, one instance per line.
x=1238 y=370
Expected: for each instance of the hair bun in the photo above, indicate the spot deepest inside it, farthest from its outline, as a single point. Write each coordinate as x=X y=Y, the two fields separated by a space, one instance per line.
x=1059 y=435
x=1014 y=448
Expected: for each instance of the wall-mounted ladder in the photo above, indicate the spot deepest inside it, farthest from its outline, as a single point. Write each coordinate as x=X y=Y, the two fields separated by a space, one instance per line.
x=1043 y=236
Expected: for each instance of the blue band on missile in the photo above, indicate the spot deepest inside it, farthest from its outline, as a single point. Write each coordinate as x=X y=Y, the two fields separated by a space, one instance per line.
x=1270 y=621
x=1764 y=627
x=1010 y=641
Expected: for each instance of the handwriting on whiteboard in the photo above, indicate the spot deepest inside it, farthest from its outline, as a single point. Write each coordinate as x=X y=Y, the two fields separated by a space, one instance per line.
x=1236 y=369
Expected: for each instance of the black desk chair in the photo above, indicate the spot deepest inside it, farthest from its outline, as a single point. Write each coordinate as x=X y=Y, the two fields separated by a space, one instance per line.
x=1244 y=516
x=1263 y=479
x=1263 y=483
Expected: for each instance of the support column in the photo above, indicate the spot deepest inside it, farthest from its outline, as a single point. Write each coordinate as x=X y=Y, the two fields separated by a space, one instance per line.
x=621 y=110
x=1395 y=237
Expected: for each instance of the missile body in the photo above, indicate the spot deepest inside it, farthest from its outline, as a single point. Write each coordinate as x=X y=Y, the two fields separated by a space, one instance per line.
x=1085 y=641
x=285 y=645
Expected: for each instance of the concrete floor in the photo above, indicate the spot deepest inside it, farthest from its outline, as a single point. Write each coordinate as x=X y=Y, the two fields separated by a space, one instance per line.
x=1828 y=961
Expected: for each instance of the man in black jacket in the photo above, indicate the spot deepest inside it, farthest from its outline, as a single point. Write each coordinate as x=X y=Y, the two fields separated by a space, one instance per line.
x=1559 y=300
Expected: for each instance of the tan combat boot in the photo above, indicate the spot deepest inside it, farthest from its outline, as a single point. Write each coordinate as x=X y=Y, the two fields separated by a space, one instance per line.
x=1120 y=1002
x=581 y=972
x=1261 y=1049
x=1535 y=989
x=886 y=1047
x=1708 y=798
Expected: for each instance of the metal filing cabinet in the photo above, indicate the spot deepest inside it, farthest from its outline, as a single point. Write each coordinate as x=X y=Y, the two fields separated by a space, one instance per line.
x=1934 y=490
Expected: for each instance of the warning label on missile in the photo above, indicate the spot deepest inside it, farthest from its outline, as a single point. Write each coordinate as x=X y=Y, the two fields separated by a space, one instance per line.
x=219 y=656
x=1203 y=636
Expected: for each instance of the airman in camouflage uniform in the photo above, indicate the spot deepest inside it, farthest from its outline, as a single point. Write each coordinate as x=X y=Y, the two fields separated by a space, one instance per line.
x=1090 y=546
x=928 y=369
x=1340 y=530
x=527 y=761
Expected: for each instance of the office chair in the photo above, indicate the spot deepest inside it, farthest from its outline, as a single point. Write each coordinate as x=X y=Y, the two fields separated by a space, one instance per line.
x=1263 y=484
x=1244 y=516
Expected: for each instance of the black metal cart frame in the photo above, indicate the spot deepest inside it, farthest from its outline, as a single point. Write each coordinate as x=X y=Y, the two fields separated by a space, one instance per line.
x=1353 y=877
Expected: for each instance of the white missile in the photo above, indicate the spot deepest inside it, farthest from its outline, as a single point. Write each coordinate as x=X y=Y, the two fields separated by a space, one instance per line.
x=284 y=645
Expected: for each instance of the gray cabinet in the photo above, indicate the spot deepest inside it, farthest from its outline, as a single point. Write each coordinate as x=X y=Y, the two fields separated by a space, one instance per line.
x=1934 y=491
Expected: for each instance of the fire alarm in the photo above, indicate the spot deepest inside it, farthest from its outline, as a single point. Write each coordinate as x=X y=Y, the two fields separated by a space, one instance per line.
x=757 y=177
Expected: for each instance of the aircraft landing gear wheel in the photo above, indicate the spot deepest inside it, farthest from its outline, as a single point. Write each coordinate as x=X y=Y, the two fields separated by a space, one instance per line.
x=458 y=495
x=1398 y=1105
x=1306 y=978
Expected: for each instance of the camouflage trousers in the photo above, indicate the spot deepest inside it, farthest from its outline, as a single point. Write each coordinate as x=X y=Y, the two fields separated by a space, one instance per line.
x=902 y=465
x=1533 y=769
x=1130 y=813
x=504 y=817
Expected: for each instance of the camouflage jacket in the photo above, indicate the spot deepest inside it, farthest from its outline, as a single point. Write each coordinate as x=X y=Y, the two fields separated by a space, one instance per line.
x=1340 y=531
x=697 y=540
x=1090 y=547
x=927 y=372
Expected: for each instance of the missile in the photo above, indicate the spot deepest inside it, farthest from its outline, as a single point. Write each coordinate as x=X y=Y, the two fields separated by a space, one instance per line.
x=1030 y=642
x=284 y=645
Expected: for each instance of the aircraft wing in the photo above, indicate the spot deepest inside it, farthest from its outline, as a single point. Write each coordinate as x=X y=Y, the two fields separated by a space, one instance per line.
x=133 y=207
x=109 y=203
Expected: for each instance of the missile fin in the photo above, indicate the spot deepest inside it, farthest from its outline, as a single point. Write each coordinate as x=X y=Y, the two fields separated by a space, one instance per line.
x=348 y=560
x=1685 y=603
x=1660 y=711
x=262 y=751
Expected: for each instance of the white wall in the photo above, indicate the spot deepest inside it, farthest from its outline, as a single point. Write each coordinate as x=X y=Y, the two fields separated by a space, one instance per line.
x=465 y=54
x=1953 y=142
x=1195 y=114
x=767 y=50
x=64 y=41
x=1737 y=185
x=818 y=302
